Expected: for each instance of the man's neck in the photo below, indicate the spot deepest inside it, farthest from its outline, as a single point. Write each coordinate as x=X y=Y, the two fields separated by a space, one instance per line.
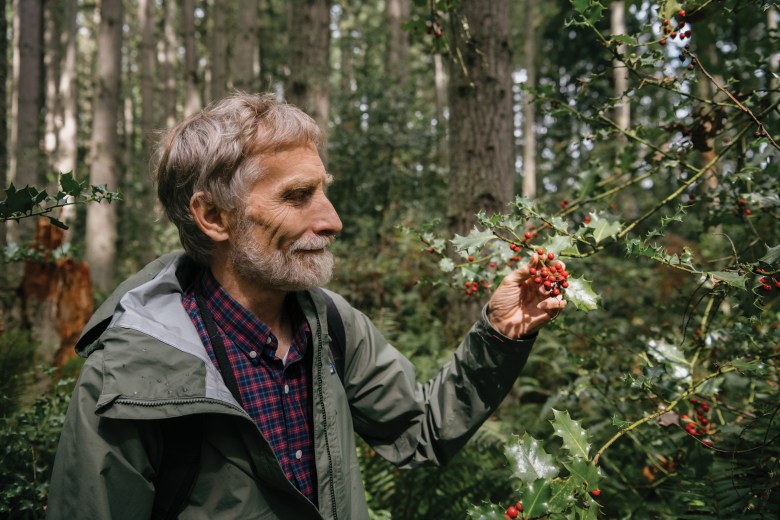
x=266 y=303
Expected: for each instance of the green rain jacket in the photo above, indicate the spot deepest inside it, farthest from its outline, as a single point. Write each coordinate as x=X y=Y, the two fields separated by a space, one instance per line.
x=145 y=363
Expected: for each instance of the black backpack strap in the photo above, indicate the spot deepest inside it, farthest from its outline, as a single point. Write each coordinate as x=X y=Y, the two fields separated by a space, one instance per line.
x=338 y=337
x=182 y=439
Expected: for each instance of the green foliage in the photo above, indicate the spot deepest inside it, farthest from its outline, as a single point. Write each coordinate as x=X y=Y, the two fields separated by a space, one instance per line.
x=31 y=202
x=29 y=440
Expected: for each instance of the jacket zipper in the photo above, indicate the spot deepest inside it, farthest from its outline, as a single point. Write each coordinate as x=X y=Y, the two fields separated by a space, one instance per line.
x=165 y=402
x=325 y=417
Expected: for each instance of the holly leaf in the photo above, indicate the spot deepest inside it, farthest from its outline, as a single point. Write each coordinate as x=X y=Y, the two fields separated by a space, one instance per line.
x=580 y=5
x=671 y=355
x=70 y=185
x=474 y=241
x=486 y=511
x=603 y=229
x=575 y=438
x=584 y=474
x=732 y=278
x=581 y=295
x=772 y=255
x=530 y=460
x=620 y=423
x=563 y=493
x=536 y=497
x=446 y=265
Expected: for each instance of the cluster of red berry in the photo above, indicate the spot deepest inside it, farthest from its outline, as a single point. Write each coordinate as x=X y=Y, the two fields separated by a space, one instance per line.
x=742 y=203
x=514 y=511
x=681 y=31
x=434 y=27
x=473 y=286
x=552 y=274
x=768 y=283
x=701 y=425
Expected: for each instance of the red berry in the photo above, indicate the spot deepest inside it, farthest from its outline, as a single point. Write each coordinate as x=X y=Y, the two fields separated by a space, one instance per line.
x=471 y=258
x=550 y=255
x=595 y=493
x=528 y=235
x=512 y=512
x=742 y=202
x=666 y=22
x=556 y=291
x=586 y=219
x=685 y=418
x=532 y=270
x=694 y=400
x=492 y=264
x=538 y=279
x=519 y=507
x=540 y=251
x=707 y=442
x=681 y=13
x=705 y=406
x=777 y=285
x=663 y=42
x=548 y=284
x=565 y=285
x=767 y=287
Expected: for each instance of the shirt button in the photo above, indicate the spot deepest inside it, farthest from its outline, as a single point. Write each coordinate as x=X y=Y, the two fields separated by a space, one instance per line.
x=268 y=340
x=298 y=454
x=252 y=354
x=286 y=389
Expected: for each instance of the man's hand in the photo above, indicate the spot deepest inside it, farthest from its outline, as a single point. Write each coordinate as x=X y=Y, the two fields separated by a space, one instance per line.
x=519 y=306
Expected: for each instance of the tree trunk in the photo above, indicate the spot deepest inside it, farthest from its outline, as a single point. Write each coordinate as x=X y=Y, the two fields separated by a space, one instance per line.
x=218 y=85
x=3 y=105
x=481 y=118
x=481 y=146
x=246 y=58
x=146 y=59
x=398 y=12
x=28 y=118
x=309 y=49
x=67 y=138
x=166 y=56
x=101 y=218
x=529 y=108
x=192 y=92
x=619 y=70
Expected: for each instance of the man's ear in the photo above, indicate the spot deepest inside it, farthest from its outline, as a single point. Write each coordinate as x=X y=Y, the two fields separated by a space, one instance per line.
x=212 y=220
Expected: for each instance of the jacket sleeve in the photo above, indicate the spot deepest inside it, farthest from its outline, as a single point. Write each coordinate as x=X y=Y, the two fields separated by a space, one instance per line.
x=102 y=468
x=411 y=423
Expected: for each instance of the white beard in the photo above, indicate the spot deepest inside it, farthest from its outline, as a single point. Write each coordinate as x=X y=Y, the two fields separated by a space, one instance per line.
x=290 y=270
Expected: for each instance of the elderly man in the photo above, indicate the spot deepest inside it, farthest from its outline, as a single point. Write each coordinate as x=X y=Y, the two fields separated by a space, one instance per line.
x=211 y=389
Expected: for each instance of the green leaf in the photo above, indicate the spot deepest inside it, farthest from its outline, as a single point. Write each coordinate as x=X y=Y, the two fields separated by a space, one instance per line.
x=70 y=185
x=584 y=474
x=580 y=5
x=473 y=241
x=730 y=277
x=536 y=498
x=603 y=229
x=624 y=38
x=620 y=423
x=575 y=438
x=57 y=223
x=531 y=462
x=563 y=493
x=486 y=511
x=446 y=265
x=772 y=255
x=581 y=295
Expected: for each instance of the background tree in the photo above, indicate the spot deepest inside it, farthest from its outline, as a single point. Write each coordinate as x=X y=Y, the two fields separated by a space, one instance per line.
x=101 y=218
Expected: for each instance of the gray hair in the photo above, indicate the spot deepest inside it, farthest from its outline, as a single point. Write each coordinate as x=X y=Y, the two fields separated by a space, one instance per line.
x=219 y=151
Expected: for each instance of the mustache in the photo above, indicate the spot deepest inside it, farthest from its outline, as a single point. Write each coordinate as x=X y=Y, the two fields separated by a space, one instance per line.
x=312 y=243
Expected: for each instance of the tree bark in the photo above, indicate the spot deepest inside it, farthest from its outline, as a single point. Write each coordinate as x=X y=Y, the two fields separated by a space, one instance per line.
x=192 y=101
x=619 y=71
x=309 y=48
x=398 y=12
x=529 y=108
x=218 y=85
x=27 y=164
x=67 y=138
x=146 y=59
x=246 y=57
x=101 y=218
x=481 y=118
x=166 y=56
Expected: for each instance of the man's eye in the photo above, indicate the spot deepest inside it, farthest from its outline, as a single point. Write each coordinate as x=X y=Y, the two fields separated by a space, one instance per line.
x=298 y=196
